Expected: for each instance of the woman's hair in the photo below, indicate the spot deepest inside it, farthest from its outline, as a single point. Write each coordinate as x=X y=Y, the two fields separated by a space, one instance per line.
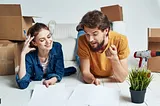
x=95 y=19
x=35 y=29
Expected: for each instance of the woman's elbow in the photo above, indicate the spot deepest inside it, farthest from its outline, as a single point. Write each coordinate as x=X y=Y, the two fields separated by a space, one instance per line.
x=23 y=85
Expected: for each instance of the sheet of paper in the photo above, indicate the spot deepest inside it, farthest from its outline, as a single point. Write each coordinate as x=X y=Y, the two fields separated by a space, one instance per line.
x=89 y=94
x=54 y=95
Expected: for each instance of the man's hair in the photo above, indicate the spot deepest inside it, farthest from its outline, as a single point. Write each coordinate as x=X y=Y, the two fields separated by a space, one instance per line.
x=95 y=19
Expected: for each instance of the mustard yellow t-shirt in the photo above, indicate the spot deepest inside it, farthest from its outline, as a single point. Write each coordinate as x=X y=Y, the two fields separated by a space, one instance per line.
x=100 y=65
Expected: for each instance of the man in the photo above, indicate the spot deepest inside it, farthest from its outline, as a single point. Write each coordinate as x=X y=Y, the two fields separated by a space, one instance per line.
x=102 y=52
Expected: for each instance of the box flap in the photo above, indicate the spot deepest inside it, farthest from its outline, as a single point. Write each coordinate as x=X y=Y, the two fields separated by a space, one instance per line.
x=113 y=12
x=28 y=17
x=10 y=10
x=111 y=6
x=153 y=32
x=31 y=17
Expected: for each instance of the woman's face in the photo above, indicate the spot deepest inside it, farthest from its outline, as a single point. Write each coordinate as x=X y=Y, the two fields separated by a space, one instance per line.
x=43 y=40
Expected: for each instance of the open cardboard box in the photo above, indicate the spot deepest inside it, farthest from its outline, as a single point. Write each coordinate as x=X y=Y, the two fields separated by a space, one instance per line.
x=13 y=26
x=154 y=44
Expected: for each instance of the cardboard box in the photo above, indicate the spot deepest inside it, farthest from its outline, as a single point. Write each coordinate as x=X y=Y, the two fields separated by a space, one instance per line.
x=154 y=62
x=17 y=51
x=13 y=26
x=7 y=58
x=154 y=44
x=113 y=12
x=19 y=47
x=153 y=34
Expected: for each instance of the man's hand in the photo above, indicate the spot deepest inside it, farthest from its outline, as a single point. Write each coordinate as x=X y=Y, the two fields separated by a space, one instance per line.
x=51 y=81
x=90 y=79
x=111 y=52
x=96 y=81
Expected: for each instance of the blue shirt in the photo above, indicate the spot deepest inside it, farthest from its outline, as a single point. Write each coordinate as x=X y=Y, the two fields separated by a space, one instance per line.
x=34 y=69
x=80 y=33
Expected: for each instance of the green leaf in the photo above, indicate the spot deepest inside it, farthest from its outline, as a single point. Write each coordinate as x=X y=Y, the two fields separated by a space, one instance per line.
x=139 y=78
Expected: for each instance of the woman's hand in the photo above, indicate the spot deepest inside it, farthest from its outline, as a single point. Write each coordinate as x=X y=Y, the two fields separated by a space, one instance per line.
x=51 y=81
x=26 y=47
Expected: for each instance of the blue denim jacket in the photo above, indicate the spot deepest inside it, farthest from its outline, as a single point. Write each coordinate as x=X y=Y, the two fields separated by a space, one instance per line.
x=55 y=68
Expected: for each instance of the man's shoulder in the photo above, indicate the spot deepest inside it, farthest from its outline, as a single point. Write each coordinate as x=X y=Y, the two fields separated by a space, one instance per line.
x=82 y=37
x=116 y=36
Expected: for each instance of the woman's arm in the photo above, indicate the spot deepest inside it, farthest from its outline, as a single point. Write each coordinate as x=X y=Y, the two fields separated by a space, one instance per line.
x=58 y=73
x=22 y=77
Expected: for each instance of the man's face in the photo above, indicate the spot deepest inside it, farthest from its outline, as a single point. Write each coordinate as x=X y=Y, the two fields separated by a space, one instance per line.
x=96 y=38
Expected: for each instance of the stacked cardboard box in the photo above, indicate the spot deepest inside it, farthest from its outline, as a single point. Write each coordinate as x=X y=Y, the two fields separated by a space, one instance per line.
x=13 y=28
x=113 y=12
x=154 y=44
x=7 y=58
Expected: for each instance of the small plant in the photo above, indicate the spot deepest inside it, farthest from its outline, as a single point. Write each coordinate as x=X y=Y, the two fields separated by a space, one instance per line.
x=139 y=78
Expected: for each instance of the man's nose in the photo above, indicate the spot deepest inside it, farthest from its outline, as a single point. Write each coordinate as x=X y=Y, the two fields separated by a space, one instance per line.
x=91 y=38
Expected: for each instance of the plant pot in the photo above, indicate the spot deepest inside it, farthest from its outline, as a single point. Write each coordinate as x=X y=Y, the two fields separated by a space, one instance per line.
x=137 y=96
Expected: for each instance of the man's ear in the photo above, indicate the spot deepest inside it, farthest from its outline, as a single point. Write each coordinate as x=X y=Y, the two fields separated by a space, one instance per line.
x=106 y=31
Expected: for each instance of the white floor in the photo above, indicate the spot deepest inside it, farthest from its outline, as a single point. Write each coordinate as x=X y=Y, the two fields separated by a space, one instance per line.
x=12 y=96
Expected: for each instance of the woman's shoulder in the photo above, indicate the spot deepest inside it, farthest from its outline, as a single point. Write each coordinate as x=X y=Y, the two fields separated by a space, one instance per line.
x=56 y=47
x=31 y=53
x=56 y=44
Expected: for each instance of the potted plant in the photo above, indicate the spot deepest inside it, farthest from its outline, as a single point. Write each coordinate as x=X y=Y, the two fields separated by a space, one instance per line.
x=139 y=79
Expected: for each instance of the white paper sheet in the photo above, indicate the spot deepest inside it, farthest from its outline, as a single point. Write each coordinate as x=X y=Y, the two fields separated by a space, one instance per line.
x=89 y=94
x=54 y=95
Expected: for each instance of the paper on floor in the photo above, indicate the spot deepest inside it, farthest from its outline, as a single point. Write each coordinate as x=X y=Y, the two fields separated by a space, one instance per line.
x=54 y=95
x=89 y=94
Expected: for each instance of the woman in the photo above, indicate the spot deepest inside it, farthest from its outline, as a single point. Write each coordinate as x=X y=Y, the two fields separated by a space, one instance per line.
x=41 y=58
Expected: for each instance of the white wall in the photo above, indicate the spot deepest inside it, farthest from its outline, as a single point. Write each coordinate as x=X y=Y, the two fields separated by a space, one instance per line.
x=138 y=14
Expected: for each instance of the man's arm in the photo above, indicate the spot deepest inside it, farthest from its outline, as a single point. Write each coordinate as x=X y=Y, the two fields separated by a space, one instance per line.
x=86 y=74
x=120 y=69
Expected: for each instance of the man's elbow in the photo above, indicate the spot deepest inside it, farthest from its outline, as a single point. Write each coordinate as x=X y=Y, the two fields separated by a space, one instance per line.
x=122 y=79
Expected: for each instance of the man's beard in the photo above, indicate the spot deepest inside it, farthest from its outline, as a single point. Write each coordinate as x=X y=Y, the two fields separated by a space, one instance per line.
x=99 y=47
